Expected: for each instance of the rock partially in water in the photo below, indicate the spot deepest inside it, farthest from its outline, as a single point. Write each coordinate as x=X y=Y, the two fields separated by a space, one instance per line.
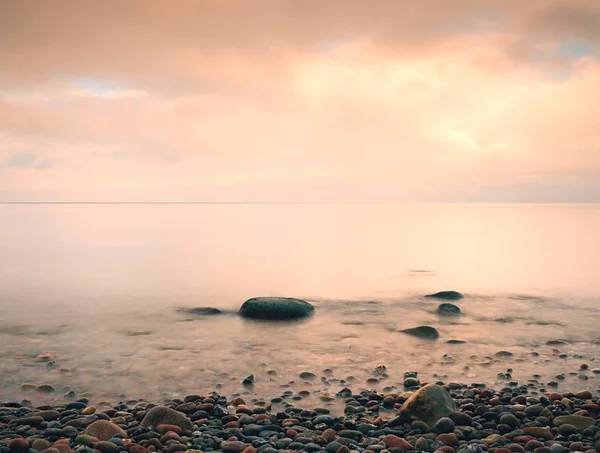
x=446 y=295
x=161 y=415
x=423 y=332
x=456 y=342
x=202 y=311
x=447 y=309
x=428 y=404
x=275 y=308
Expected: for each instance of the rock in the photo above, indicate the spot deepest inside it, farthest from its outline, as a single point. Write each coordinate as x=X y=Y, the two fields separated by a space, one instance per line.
x=392 y=441
x=89 y=410
x=584 y=395
x=202 y=311
x=40 y=444
x=429 y=404
x=566 y=430
x=161 y=415
x=106 y=447
x=423 y=332
x=578 y=421
x=19 y=444
x=307 y=375
x=461 y=419
x=449 y=439
x=455 y=342
x=538 y=432
x=163 y=429
x=448 y=310
x=443 y=425
x=248 y=381
x=275 y=308
x=45 y=388
x=232 y=446
x=104 y=430
x=446 y=295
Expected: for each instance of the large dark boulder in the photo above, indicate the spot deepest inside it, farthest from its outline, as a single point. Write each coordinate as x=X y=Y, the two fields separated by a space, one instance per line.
x=446 y=295
x=428 y=404
x=423 y=332
x=276 y=308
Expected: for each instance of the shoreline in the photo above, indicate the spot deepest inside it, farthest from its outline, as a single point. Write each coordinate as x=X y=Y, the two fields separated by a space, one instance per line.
x=458 y=418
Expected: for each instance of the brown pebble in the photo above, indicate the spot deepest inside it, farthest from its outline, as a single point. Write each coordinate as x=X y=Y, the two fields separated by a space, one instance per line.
x=343 y=449
x=584 y=395
x=392 y=441
x=62 y=447
x=232 y=424
x=18 y=444
x=137 y=449
x=104 y=430
x=44 y=357
x=494 y=401
x=249 y=449
x=291 y=433
x=516 y=448
x=449 y=439
x=40 y=444
x=50 y=450
x=163 y=428
x=329 y=435
x=533 y=444
x=233 y=446
x=539 y=432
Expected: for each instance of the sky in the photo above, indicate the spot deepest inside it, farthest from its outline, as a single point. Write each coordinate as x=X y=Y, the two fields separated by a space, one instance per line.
x=300 y=100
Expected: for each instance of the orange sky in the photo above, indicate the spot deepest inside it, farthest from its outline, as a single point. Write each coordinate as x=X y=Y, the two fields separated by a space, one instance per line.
x=414 y=100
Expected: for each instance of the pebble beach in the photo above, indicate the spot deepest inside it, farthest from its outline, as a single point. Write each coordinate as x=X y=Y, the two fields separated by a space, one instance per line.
x=432 y=417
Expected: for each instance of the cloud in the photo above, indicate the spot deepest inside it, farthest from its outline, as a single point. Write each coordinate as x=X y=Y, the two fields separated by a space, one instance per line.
x=412 y=100
x=27 y=160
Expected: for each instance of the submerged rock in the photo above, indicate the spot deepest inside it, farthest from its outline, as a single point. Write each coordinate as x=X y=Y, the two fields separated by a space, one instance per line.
x=275 y=308
x=428 y=404
x=202 y=311
x=424 y=332
x=446 y=295
x=447 y=309
x=455 y=342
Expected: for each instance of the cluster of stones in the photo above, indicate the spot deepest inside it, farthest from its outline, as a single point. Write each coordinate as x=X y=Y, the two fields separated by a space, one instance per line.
x=435 y=418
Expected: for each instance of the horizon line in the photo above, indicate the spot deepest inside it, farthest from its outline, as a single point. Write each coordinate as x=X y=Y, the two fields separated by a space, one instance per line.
x=232 y=202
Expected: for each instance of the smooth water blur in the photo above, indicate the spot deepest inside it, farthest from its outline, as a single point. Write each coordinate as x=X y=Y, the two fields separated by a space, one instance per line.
x=99 y=286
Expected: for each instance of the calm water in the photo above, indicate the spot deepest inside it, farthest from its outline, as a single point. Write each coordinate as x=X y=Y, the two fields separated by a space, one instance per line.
x=99 y=286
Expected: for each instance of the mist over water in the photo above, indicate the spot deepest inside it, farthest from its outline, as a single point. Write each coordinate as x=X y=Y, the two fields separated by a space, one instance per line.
x=100 y=288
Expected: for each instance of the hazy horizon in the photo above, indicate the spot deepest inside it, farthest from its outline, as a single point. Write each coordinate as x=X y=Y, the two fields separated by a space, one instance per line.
x=287 y=101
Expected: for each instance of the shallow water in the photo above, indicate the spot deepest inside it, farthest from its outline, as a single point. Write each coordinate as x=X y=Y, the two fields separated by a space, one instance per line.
x=99 y=287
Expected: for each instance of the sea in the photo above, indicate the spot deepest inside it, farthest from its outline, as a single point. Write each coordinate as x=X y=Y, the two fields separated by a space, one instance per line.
x=103 y=289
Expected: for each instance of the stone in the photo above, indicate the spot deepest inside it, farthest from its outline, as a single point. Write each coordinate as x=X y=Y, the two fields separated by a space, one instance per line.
x=429 y=404
x=89 y=410
x=447 y=309
x=233 y=446
x=275 y=308
x=539 y=432
x=443 y=425
x=448 y=439
x=104 y=430
x=578 y=421
x=446 y=295
x=106 y=447
x=161 y=415
x=202 y=311
x=19 y=444
x=566 y=430
x=423 y=332
x=40 y=444
x=393 y=441
x=164 y=428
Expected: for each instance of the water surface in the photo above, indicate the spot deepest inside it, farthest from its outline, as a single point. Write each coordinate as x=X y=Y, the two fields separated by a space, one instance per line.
x=99 y=287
